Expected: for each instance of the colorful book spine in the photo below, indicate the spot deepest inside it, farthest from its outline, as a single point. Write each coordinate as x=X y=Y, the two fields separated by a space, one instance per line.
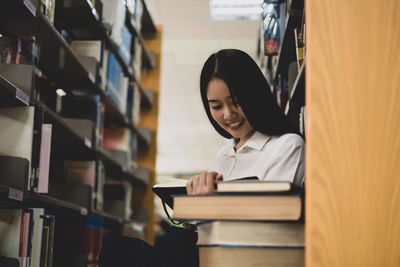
x=17 y=50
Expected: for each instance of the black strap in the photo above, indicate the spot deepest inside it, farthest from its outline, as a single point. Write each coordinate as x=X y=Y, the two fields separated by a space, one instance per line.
x=169 y=217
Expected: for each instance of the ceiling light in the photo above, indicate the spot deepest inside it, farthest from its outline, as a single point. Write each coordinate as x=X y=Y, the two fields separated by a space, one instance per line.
x=235 y=9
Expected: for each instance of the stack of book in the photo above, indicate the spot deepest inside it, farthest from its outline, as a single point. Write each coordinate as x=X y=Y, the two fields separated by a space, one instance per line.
x=247 y=222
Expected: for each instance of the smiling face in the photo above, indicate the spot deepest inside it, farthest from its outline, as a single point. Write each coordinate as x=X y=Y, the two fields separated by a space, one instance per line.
x=227 y=112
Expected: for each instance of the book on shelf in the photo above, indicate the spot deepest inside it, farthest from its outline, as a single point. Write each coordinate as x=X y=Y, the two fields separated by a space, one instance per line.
x=299 y=44
x=273 y=21
x=17 y=50
x=126 y=44
x=80 y=172
x=251 y=233
x=114 y=79
x=88 y=48
x=78 y=240
x=292 y=75
x=85 y=107
x=47 y=246
x=238 y=256
x=47 y=8
x=20 y=234
x=117 y=198
x=124 y=140
x=44 y=159
x=302 y=120
x=99 y=186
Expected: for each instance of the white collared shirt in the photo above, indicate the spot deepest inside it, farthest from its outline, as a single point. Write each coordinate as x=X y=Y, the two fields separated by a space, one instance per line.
x=272 y=158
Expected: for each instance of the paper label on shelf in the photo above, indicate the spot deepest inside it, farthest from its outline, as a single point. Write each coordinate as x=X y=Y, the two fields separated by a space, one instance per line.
x=15 y=194
x=84 y=211
x=30 y=6
x=91 y=78
x=24 y=98
x=88 y=143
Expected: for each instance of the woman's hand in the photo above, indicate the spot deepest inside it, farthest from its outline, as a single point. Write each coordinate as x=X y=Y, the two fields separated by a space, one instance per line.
x=202 y=183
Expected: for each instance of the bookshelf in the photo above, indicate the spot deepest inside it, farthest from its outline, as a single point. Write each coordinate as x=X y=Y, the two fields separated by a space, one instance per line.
x=352 y=185
x=352 y=151
x=276 y=66
x=56 y=65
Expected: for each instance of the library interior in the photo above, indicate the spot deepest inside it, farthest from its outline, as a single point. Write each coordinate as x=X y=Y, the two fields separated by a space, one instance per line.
x=108 y=157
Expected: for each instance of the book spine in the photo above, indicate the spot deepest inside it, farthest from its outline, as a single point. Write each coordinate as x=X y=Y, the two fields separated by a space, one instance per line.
x=36 y=145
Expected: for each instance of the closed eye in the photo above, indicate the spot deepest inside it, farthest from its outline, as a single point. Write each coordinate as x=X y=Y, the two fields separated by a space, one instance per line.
x=216 y=107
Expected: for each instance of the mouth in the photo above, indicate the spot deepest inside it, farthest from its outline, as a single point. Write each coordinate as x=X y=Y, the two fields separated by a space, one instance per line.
x=235 y=125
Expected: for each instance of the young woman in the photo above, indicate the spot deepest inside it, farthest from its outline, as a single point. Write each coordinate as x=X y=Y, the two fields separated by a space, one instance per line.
x=262 y=143
x=240 y=106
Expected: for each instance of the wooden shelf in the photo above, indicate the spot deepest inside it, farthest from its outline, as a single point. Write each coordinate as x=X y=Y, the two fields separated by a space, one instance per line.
x=33 y=200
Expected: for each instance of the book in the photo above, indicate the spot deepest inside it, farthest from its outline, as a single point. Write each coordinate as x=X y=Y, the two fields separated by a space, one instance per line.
x=44 y=160
x=247 y=233
x=117 y=198
x=88 y=48
x=299 y=43
x=78 y=240
x=80 y=172
x=238 y=206
x=46 y=253
x=239 y=256
x=166 y=191
x=255 y=185
x=36 y=236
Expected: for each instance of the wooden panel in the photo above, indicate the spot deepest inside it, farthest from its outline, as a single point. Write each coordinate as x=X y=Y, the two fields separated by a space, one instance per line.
x=148 y=118
x=353 y=133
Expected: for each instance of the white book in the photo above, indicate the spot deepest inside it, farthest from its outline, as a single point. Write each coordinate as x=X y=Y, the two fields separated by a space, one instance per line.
x=246 y=233
x=87 y=48
x=36 y=237
x=44 y=160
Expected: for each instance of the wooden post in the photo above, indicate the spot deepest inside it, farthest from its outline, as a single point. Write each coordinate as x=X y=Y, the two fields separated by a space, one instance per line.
x=353 y=133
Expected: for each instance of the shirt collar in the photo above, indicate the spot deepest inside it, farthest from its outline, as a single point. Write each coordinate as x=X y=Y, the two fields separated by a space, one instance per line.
x=256 y=141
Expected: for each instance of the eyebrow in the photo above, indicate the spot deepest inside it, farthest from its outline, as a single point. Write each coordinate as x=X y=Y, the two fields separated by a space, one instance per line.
x=216 y=100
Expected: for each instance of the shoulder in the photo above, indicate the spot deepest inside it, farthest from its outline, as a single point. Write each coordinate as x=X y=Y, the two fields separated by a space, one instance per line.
x=289 y=141
x=226 y=148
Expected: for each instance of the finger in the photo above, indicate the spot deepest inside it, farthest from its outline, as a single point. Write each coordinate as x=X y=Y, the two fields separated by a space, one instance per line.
x=189 y=186
x=195 y=184
x=219 y=177
x=210 y=180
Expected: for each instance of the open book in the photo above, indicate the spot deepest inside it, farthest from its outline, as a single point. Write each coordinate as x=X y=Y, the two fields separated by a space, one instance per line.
x=252 y=184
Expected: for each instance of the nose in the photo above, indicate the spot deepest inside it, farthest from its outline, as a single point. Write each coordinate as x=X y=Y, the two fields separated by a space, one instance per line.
x=229 y=112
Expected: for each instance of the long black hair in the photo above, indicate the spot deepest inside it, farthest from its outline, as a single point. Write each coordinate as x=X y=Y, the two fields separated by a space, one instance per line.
x=247 y=83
